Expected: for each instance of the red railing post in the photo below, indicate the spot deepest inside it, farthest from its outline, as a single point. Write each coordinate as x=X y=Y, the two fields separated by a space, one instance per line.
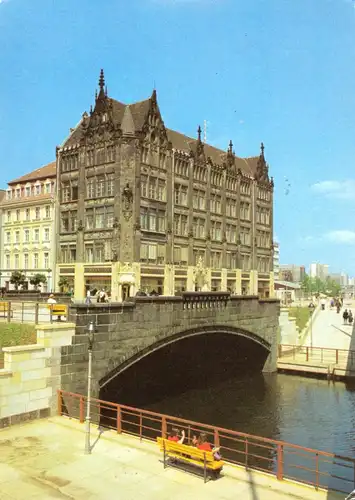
x=216 y=437
x=59 y=402
x=9 y=312
x=81 y=410
x=317 y=471
x=307 y=353
x=163 y=427
x=36 y=313
x=246 y=452
x=336 y=356
x=280 y=462
x=119 y=419
x=140 y=426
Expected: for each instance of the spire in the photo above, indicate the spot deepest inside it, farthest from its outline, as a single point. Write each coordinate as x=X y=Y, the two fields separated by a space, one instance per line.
x=262 y=147
x=102 y=80
x=230 y=148
x=154 y=95
x=199 y=133
x=95 y=95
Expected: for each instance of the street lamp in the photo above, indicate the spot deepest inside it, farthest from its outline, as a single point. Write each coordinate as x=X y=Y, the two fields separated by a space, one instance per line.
x=91 y=333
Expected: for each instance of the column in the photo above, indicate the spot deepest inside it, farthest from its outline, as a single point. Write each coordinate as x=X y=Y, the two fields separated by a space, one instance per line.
x=190 y=284
x=169 y=278
x=272 y=284
x=79 y=281
x=253 y=283
x=224 y=280
x=238 y=282
x=115 y=282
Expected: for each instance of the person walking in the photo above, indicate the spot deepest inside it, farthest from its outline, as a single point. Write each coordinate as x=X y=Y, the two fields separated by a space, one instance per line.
x=345 y=316
x=88 y=298
x=350 y=318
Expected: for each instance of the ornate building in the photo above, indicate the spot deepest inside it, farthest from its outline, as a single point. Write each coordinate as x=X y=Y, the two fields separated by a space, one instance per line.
x=28 y=226
x=145 y=207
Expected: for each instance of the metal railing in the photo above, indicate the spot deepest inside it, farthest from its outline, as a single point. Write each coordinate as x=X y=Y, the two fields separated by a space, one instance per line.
x=322 y=355
x=284 y=460
x=31 y=312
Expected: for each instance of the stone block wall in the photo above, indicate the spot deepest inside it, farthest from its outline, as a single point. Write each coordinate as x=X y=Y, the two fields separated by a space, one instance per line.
x=31 y=375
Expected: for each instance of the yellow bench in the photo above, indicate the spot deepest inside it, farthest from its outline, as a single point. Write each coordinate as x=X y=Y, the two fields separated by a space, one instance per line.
x=58 y=309
x=190 y=455
x=4 y=309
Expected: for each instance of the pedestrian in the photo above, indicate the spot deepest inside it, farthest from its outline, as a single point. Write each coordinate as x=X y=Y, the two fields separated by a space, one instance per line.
x=350 y=318
x=88 y=298
x=345 y=316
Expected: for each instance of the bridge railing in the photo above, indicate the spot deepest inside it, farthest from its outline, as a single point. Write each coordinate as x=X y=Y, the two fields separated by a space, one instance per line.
x=317 y=468
x=314 y=354
x=205 y=300
x=31 y=312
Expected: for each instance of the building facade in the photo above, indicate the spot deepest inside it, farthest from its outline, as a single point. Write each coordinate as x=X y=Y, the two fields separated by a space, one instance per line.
x=142 y=207
x=28 y=227
x=276 y=260
x=292 y=272
x=317 y=270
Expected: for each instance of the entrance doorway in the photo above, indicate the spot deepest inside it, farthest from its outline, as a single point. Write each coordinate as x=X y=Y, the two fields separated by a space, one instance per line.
x=125 y=291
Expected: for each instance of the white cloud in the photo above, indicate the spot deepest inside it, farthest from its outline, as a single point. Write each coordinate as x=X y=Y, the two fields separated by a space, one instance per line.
x=341 y=190
x=343 y=236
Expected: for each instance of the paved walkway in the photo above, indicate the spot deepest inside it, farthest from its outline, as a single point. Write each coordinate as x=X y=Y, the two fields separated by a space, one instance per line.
x=328 y=329
x=44 y=460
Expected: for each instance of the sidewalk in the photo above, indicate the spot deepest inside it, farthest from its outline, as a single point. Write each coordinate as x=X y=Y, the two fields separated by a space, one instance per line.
x=44 y=460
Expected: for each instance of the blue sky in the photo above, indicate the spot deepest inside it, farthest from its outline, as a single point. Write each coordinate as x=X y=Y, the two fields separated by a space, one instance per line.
x=277 y=71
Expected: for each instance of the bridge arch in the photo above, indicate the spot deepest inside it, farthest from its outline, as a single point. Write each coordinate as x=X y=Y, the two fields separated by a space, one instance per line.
x=184 y=334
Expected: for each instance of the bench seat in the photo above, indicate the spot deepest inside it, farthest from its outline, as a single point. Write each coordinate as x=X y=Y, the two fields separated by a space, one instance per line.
x=190 y=455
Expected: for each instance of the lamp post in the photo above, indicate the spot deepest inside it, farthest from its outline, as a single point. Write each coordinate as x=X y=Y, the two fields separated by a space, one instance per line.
x=91 y=332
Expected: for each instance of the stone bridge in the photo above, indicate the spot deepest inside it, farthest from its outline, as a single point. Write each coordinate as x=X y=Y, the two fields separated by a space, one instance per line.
x=127 y=332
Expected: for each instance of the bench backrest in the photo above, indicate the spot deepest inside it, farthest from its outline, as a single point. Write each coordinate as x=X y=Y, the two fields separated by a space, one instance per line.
x=58 y=308
x=4 y=306
x=186 y=449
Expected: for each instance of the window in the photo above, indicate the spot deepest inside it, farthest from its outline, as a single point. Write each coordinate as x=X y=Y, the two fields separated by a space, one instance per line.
x=216 y=230
x=8 y=262
x=9 y=216
x=8 y=194
x=215 y=203
x=144 y=186
x=35 y=261
x=110 y=185
x=90 y=188
x=100 y=156
x=161 y=190
x=26 y=235
x=180 y=194
x=89 y=253
x=111 y=156
x=180 y=224
x=28 y=214
x=48 y=188
x=69 y=221
x=8 y=237
x=181 y=255
x=153 y=187
x=231 y=233
x=17 y=261
x=46 y=260
x=46 y=234
x=198 y=227
x=67 y=254
x=231 y=260
x=99 y=217
x=152 y=253
x=36 y=235
x=100 y=186
x=48 y=212
x=38 y=189
x=216 y=260
x=28 y=190
x=17 y=237
x=198 y=253
x=18 y=193
x=65 y=193
x=152 y=220
x=245 y=236
x=38 y=213
x=199 y=199
x=99 y=252
x=90 y=157
x=245 y=211
x=17 y=215
x=25 y=260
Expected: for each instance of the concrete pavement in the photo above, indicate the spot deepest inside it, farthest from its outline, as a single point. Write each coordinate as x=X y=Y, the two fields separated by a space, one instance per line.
x=44 y=459
x=328 y=329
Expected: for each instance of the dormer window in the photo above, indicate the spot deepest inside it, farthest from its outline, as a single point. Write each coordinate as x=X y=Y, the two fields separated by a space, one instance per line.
x=38 y=189
x=28 y=190
x=18 y=193
x=48 y=188
x=8 y=195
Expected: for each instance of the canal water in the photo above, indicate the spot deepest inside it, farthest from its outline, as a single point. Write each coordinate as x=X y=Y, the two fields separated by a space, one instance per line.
x=220 y=383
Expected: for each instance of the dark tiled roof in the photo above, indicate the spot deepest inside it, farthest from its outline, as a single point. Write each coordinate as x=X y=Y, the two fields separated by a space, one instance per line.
x=44 y=172
x=139 y=112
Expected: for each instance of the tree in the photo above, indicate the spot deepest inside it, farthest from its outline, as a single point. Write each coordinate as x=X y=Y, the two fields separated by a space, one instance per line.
x=17 y=279
x=63 y=282
x=37 y=279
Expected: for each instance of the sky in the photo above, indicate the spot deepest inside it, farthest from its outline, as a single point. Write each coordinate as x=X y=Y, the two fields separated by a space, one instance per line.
x=277 y=71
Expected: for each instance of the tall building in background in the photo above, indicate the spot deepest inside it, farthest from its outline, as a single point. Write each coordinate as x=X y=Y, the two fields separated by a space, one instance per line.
x=276 y=260
x=145 y=207
x=320 y=271
x=292 y=272
x=28 y=227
